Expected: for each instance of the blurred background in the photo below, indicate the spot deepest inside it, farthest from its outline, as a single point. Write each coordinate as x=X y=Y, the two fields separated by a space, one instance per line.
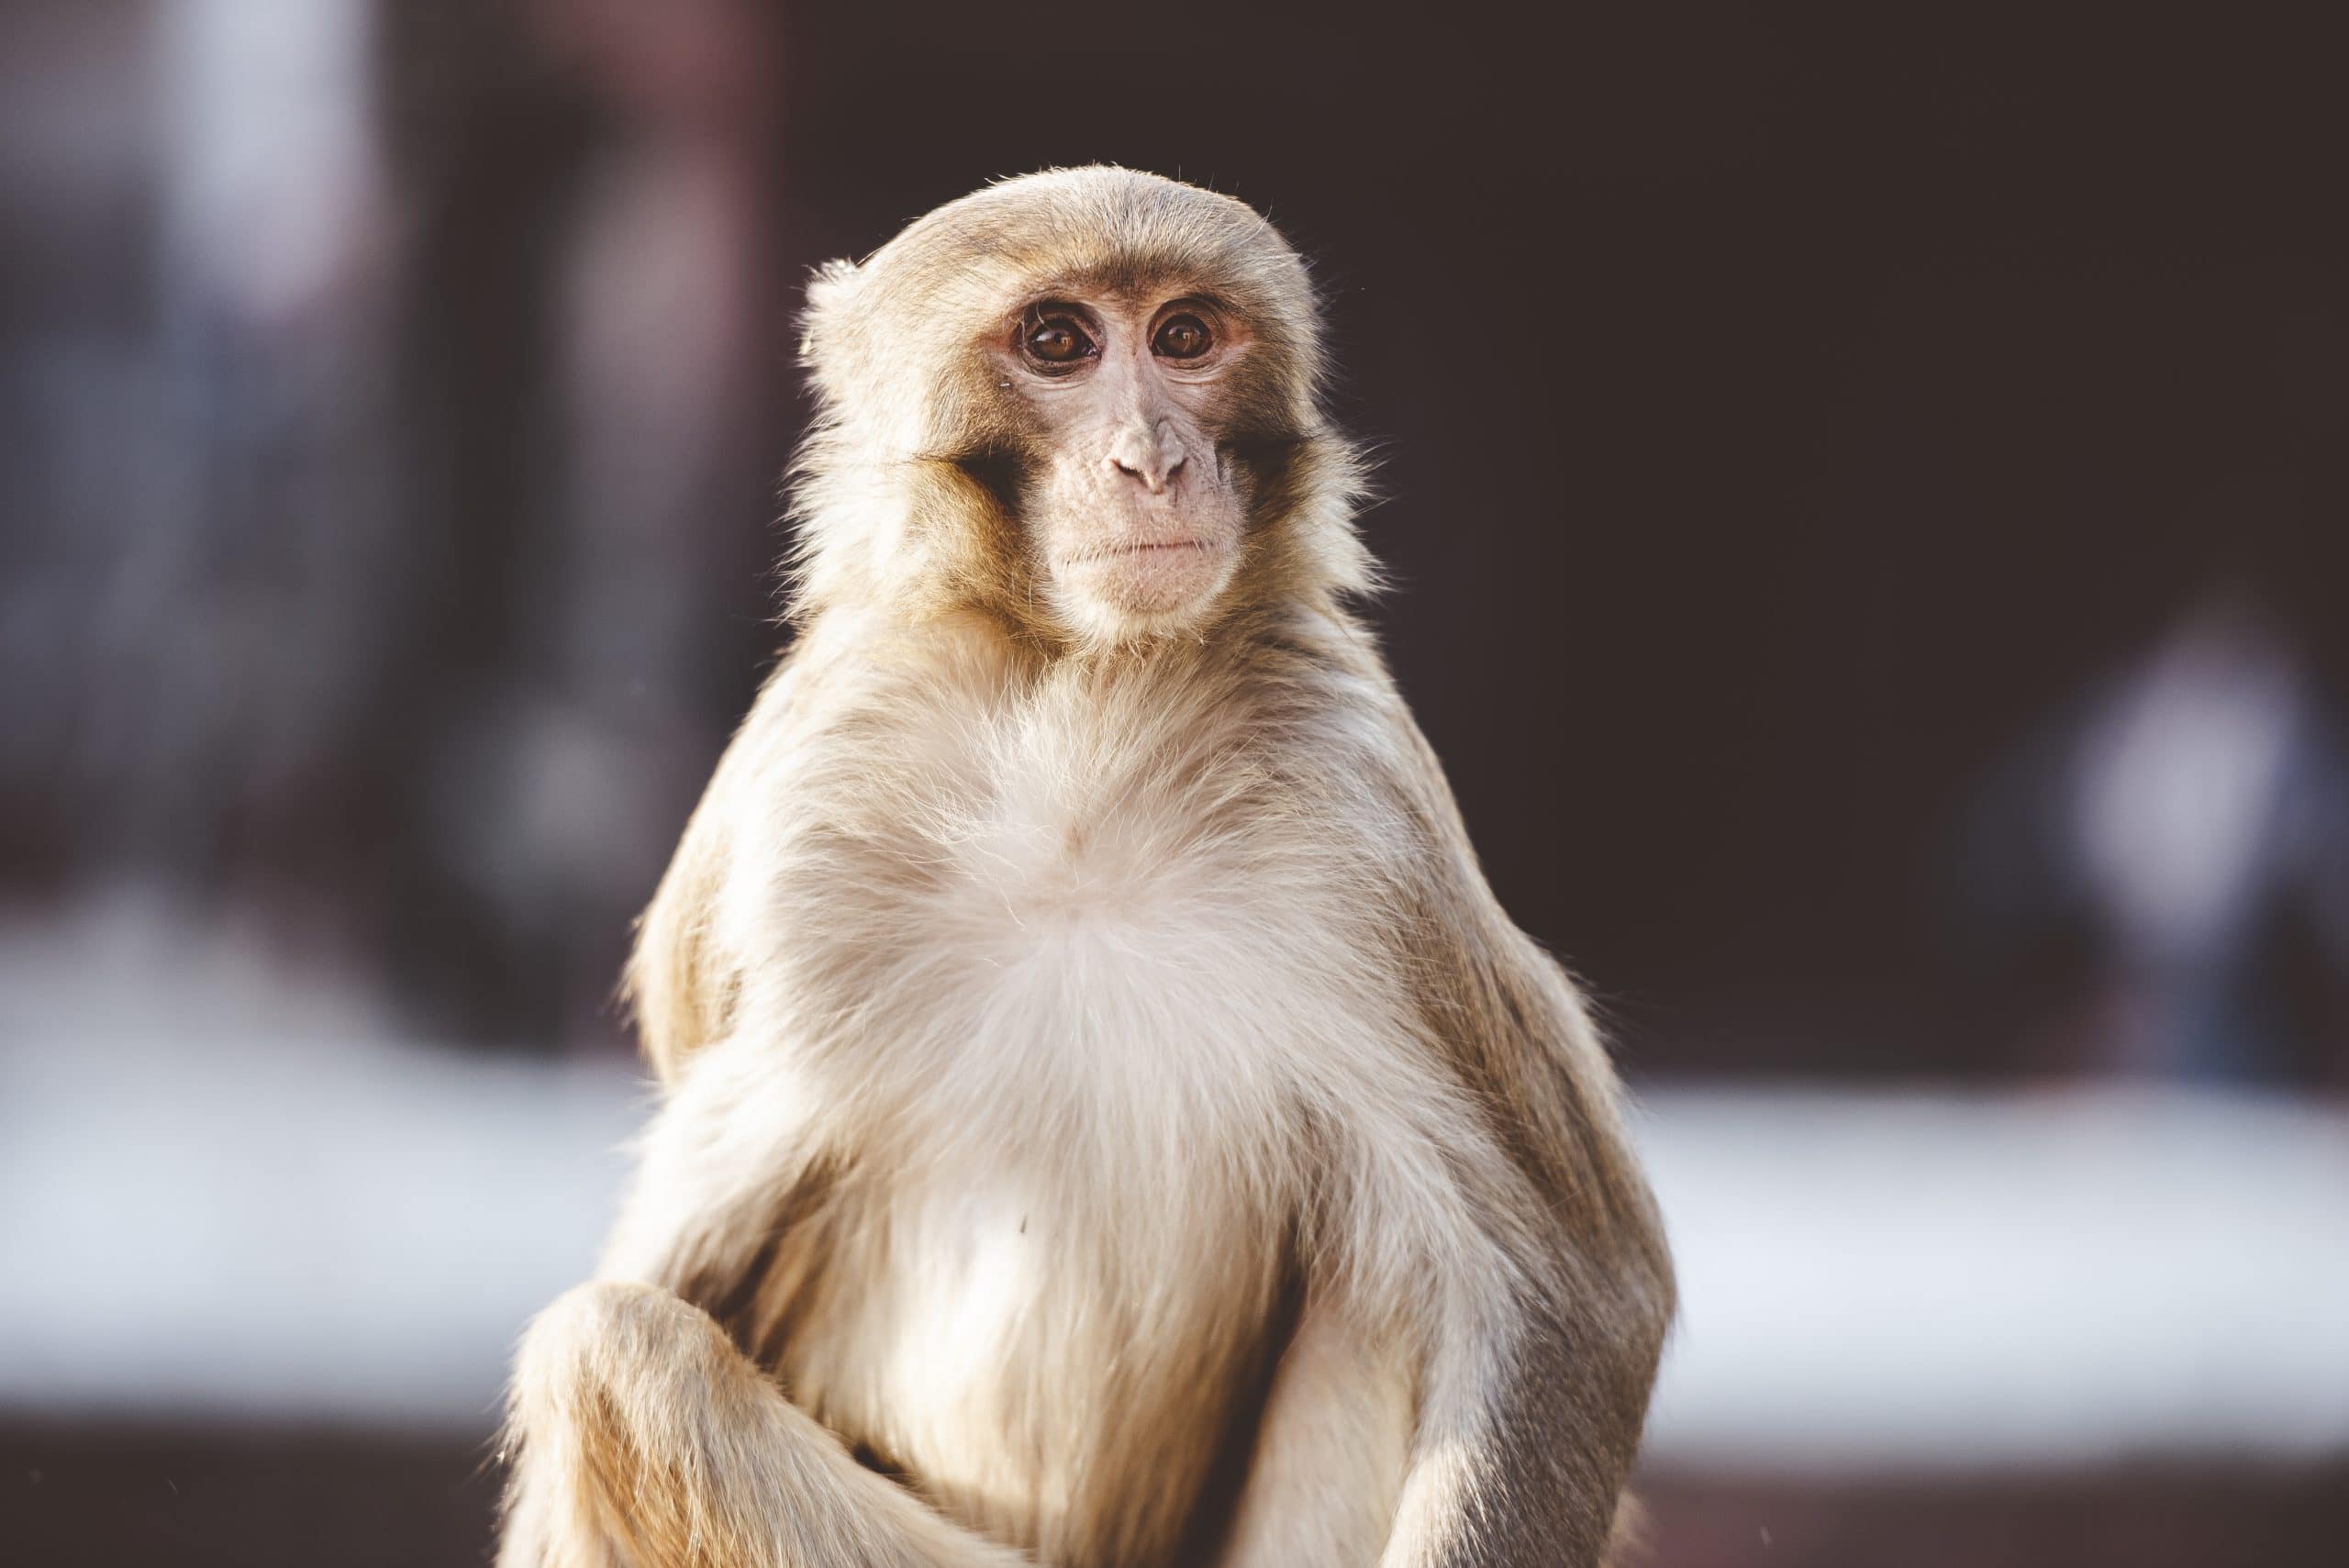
x=1866 y=502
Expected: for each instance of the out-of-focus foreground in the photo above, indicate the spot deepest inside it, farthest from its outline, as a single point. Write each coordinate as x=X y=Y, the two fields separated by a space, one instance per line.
x=1867 y=514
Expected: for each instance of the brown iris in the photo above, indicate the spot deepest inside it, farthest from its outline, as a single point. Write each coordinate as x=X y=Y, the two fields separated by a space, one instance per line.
x=1180 y=338
x=1058 y=340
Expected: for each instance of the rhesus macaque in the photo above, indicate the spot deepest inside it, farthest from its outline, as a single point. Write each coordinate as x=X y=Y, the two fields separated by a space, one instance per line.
x=1108 y=1122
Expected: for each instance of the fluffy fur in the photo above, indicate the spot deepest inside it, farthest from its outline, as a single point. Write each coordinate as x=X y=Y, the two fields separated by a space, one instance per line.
x=1108 y=1119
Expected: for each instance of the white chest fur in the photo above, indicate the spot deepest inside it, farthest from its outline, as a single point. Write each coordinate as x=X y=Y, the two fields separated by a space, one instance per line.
x=1117 y=933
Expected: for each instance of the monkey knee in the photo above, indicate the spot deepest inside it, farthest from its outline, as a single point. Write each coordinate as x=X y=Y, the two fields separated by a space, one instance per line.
x=605 y=1340
x=609 y=1309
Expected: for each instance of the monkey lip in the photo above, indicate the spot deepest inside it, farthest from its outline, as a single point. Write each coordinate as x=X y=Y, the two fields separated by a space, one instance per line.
x=1146 y=548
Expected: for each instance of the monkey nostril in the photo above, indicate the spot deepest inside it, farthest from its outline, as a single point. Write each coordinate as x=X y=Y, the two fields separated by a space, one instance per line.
x=1150 y=479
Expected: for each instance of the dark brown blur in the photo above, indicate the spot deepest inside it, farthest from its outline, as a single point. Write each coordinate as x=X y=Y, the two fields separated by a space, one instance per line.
x=1863 y=490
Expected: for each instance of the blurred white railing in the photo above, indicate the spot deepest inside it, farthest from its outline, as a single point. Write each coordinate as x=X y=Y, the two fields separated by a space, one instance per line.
x=230 y=1190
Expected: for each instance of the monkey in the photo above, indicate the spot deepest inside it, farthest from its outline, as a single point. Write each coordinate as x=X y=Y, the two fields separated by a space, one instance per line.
x=1107 y=1120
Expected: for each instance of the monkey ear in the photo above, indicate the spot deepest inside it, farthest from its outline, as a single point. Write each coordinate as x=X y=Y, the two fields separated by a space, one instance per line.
x=829 y=290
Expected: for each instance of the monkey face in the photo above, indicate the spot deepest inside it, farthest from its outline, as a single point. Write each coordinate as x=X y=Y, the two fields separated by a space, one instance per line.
x=1087 y=402
x=1134 y=503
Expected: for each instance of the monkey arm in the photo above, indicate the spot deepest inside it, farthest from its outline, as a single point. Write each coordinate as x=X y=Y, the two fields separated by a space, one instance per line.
x=649 y=1441
x=680 y=984
x=1536 y=1366
x=683 y=976
x=1330 y=1450
x=640 y=1436
x=1528 y=1423
x=731 y=1148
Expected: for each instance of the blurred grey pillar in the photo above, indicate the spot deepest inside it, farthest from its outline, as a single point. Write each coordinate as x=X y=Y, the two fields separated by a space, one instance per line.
x=241 y=633
x=665 y=301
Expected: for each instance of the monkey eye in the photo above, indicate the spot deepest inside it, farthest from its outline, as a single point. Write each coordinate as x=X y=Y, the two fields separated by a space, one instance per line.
x=1057 y=341
x=1180 y=338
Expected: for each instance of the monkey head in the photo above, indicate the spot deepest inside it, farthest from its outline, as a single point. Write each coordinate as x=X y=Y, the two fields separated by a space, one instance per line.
x=1085 y=401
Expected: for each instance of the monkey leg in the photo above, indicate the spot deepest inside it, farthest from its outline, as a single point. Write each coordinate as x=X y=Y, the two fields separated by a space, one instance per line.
x=647 y=1440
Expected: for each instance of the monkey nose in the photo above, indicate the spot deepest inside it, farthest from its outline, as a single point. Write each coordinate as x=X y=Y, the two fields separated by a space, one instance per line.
x=1148 y=457
x=1153 y=475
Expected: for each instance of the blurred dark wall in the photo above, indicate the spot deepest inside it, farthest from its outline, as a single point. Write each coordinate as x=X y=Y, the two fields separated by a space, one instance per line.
x=1790 y=416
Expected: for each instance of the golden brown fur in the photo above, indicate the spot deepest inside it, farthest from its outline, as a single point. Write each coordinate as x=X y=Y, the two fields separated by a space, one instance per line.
x=1103 y=1096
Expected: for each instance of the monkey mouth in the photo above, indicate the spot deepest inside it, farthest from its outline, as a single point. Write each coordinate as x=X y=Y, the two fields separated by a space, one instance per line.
x=1145 y=549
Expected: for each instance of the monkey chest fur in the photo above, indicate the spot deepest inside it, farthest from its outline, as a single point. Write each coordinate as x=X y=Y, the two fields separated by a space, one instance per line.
x=1078 y=1000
